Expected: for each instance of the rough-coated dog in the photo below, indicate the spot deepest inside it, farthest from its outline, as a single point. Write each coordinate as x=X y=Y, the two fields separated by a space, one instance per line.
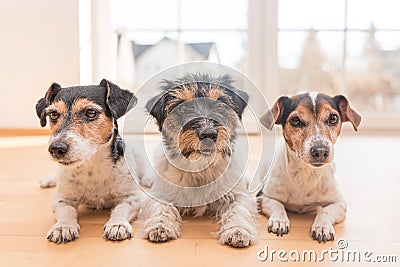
x=199 y=173
x=302 y=176
x=85 y=143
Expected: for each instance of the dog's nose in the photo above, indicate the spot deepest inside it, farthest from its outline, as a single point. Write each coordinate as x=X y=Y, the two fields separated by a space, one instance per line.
x=319 y=153
x=58 y=150
x=208 y=133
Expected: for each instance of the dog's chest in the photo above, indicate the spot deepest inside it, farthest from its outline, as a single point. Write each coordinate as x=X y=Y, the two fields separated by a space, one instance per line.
x=99 y=184
x=309 y=188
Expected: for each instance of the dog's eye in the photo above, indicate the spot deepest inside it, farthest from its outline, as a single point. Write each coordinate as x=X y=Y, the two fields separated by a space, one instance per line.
x=333 y=119
x=90 y=113
x=296 y=122
x=54 y=115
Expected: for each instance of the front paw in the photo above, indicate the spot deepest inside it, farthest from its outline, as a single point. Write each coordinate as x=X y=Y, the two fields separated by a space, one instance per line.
x=236 y=237
x=162 y=232
x=48 y=182
x=322 y=232
x=279 y=225
x=117 y=231
x=63 y=232
x=146 y=181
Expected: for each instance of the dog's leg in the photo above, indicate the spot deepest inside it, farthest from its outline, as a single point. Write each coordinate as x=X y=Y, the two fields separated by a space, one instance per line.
x=322 y=228
x=66 y=228
x=278 y=221
x=118 y=226
x=161 y=222
x=238 y=228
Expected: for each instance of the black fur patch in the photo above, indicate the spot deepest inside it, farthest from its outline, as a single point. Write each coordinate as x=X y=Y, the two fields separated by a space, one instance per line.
x=290 y=104
x=118 y=100
x=114 y=101
x=160 y=105
x=117 y=146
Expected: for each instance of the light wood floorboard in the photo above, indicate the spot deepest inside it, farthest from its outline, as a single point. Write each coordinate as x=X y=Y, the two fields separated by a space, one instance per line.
x=368 y=172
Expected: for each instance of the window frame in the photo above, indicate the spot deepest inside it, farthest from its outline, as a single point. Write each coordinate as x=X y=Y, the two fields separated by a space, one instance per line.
x=264 y=70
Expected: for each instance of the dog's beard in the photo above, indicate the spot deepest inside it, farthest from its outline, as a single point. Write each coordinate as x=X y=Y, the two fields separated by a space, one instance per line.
x=193 y=148
x=188 y=153
x=302 y=155
x=81 y=150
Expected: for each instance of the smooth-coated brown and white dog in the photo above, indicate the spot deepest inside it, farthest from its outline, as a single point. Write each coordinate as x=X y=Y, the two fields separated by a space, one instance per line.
x=200 y=171
x=302 y=176
x=90 y=153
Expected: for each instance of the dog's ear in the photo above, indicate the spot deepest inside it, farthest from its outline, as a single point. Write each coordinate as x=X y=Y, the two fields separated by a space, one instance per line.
x=240 y=99
x=118 y=100
x=346 y=112
x=274 y=115
x=155 y=106
x=44 y=102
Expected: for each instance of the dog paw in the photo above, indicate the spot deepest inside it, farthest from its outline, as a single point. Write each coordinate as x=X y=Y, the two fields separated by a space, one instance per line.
x=63 y=232
x=47 y=182
x=163 y=232
x=236 y=237
x=279 y=225
x=322 y=232
x=146 y=182
x=117 y=231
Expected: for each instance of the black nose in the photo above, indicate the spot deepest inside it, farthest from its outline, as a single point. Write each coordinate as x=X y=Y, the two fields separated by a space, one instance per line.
x=208 y=133
x=58 y=150
x=319 y=153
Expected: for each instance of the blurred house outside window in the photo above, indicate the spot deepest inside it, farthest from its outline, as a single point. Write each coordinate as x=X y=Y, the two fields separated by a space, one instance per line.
x=161 y=34
x=334 y=46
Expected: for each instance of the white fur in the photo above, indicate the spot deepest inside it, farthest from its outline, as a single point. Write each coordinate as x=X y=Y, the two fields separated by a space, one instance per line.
x=96 y=183
x=48 y=181
x=81 y=148
x=313 y=96
x=235 y=209
x=299 y=187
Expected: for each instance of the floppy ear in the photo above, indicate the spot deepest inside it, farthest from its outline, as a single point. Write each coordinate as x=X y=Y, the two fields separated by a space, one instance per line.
x=118 y=100
x=274 y=115
x=346 y=112
x=44 y=102
x=240 y=99
x=155 y=106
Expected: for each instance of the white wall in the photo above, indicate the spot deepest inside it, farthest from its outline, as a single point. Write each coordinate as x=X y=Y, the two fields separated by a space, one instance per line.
x=39 y=44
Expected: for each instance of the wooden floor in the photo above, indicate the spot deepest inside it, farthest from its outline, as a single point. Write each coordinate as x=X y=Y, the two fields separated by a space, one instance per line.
x=368 y=171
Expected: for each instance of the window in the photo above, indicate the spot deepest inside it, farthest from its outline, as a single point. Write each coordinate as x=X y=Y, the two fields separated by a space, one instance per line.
x=165 y=33
x=342 y=46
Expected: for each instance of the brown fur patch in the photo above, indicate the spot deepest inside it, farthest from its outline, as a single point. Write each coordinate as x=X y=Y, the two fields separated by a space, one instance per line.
x=223 y=139
x=98 y=130
x=188 y=141
x=324 y=110
x=295 y=137
x=61 y=108
x=186 y=92
x=215 y=93
x=82 y=104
